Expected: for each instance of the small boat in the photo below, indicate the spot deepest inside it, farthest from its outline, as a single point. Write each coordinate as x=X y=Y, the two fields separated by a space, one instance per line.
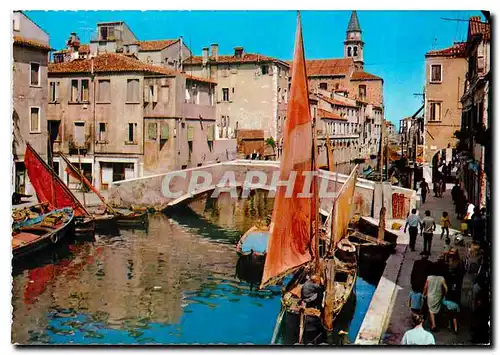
x=108 y=214
x=51 y=190
x=253 y=242
x=50 y=228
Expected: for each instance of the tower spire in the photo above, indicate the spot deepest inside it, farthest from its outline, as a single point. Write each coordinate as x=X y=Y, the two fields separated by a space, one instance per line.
x=354 y=23
x=353 y=45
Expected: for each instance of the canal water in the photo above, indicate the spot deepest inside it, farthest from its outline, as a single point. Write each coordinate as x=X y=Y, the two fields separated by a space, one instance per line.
x=173 y=283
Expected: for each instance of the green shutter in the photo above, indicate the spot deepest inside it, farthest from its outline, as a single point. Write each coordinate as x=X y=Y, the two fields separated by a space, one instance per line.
x=152 y=131
x=164 y=131
x=190 y=133
x=211 y=134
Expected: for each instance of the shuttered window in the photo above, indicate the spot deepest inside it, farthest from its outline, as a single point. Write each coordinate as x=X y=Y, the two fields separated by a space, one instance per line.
x=85 y=91
x=190 y=133
x=133 y=90
x=74 y=90
x=211 y=133
x=35 y=119
x=164 y=131
x=152 y=131
x=35 y=74
x=103 y=91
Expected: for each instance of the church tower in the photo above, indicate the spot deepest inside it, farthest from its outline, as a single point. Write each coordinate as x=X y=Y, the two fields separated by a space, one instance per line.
x=353 y=45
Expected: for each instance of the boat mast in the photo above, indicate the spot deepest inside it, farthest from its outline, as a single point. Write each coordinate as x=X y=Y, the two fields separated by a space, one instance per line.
x=80 y=167
x=381 y=223
x=315 y=205
x=51 y=164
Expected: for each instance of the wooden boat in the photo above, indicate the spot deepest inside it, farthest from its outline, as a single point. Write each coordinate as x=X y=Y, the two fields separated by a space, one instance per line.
x=294 y=244
x=49 y=229
x=109 y=214
x=50 y=189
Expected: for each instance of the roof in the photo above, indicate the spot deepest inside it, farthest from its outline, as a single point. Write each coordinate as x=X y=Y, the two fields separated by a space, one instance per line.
x=476 y=27
x=457 y=50
x=328 y=67
x=362 y=75
x=22 y=41
x=245 y=58
x=336 y=102
x=112 y=62
x=156 y=45
x=84 y=48
x=326 y=114
x=354 y=23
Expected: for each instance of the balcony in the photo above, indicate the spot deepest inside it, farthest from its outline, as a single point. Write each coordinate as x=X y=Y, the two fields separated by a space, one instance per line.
x=78 y=146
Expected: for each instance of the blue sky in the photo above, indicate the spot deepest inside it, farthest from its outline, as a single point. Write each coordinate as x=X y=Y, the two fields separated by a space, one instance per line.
x=395 y=41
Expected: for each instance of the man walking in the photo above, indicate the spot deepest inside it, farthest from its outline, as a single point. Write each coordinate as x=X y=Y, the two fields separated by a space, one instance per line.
x=428 y=226
x=424 y=189
x=412 y=221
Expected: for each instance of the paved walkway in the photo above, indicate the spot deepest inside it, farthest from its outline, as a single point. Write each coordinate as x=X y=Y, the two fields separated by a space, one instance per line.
x=399 y=320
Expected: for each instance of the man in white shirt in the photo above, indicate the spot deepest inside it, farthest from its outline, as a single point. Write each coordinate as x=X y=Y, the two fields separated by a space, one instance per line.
x=413 y=221
x=418 y=335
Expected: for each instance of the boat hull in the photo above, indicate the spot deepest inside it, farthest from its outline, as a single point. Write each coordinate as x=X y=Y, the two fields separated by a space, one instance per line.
x=36 y=237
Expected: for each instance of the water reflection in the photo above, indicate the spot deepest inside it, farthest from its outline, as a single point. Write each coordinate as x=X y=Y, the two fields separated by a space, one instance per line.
x=173 y=283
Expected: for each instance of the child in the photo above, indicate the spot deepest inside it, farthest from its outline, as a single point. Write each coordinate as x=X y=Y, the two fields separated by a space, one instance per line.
x=445 y=225
x=415 y=302
x=453 y=310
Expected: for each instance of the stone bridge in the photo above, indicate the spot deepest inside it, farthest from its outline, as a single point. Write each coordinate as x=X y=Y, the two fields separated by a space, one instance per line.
x=239 y=177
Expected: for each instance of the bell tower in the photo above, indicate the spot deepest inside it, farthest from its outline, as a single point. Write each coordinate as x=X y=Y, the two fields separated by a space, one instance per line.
x=353 y=45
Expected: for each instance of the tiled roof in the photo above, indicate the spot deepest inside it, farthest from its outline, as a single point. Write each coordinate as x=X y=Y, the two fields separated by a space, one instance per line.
x=326 y=114
x=22 y=41
x=112 y=62
x=362 y=75
x=336 y=102
x=84 y=48
x=327 y=67
x=457 y=50
x=245 y=58
x=476 y=27
x=156 y=45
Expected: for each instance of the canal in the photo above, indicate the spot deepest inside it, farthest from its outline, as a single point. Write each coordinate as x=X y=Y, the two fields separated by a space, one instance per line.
x=173 y=283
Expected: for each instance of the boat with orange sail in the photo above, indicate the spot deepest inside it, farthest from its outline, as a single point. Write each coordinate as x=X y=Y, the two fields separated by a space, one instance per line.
x=294 y=244
x=53 y=192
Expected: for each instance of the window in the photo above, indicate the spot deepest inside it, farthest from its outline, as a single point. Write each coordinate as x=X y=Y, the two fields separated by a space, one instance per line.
x=84 y=91
x=279 y=94
x=190 y=133
x=74 y=90
x=349 y=52
x=264 y=69
x=286 y=97
x=103 y=91
x=362 y=91
x=131 y=132
x=152 y=131
x=35 y=74
x=435 y=111
x=54 y=91
x=133 y=90
x=101 y=134
x=79 y=134
x=323 y=86
x=355 y=51
x=35 y=119
x=225 y=94
x=164 y=93
x=435 y=73
x=104 y=33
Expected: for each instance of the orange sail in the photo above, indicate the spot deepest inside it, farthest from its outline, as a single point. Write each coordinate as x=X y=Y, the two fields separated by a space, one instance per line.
x=343 y=209
x=292 y=239
x=47 y=184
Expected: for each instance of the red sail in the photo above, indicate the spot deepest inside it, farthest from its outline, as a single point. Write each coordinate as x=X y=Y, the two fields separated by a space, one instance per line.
x=48 y=186
x=291 y=241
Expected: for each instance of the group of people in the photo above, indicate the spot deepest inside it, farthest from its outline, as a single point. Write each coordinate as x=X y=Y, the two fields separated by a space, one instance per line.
x=459 y=197
x=439 y=186
x=427 y=227
x=436 y=289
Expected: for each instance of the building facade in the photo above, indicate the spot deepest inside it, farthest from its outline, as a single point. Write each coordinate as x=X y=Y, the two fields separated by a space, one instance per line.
x=30 y=92
x=119 y=118
x=252 y=90
x=345 y=77
x=444 y=86
x=475 y=139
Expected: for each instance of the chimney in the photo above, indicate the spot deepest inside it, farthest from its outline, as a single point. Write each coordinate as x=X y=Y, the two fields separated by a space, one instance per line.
x=205 y=55
x=238 y=52
x=215 y=51
x=73 y=42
